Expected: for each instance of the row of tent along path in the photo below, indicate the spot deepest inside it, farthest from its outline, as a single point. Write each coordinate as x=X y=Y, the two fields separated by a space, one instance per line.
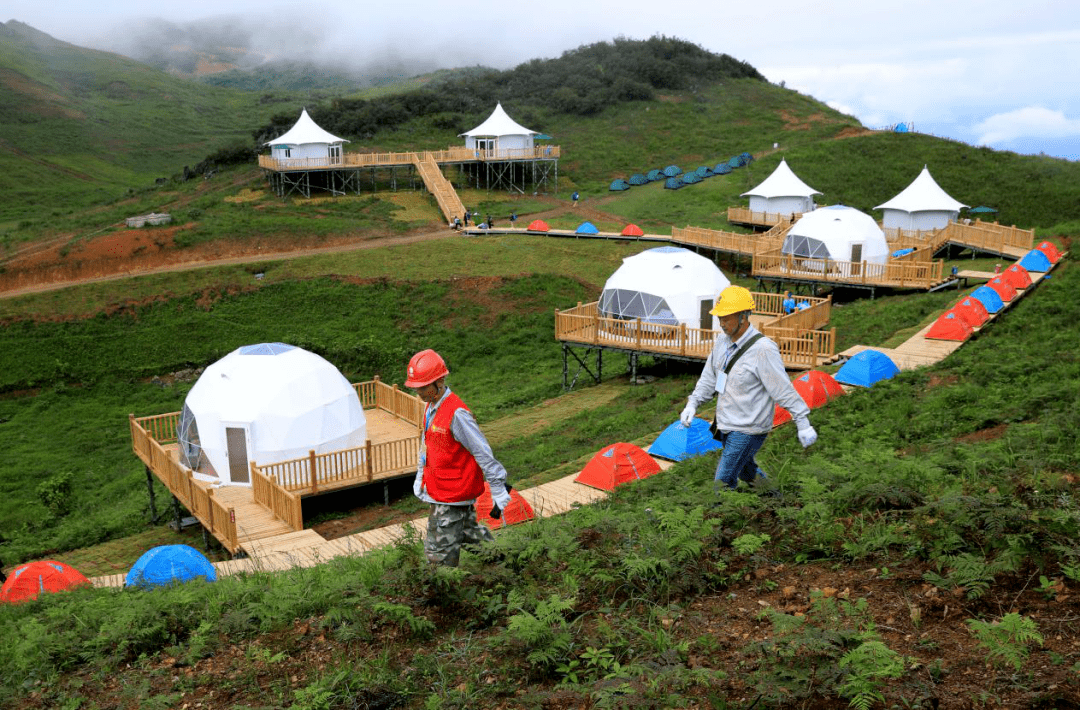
x=674 y=178
x=614 y=465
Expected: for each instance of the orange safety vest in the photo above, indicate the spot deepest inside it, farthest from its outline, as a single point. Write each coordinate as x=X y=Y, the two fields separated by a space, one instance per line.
x=451 y=473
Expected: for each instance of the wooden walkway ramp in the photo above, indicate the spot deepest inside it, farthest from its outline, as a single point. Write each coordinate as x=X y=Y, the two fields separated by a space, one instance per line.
x=306 y=548
x=445 y=194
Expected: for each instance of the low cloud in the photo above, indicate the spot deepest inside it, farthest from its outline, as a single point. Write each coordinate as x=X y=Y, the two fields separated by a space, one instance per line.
x=1027 y=122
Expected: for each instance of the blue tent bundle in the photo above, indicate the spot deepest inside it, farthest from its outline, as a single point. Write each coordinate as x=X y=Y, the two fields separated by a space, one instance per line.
x=735 y=163
x=672 y=170
x=1036 y=260
x=745 y=158
x=704 y=171
x=638 y=179
x=691 y=178
x=865 y=368
x=619 y=185
x=654 y=175
x=722 y=169
x=989 y=298
x=678 y=442
x=167 y=564
x=586 y=228
x=674 y=183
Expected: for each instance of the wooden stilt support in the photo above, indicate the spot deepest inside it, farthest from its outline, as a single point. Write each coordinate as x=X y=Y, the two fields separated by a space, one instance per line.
x=150 y=490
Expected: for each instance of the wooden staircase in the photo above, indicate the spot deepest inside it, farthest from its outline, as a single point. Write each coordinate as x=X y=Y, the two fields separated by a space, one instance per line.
x=436 y=182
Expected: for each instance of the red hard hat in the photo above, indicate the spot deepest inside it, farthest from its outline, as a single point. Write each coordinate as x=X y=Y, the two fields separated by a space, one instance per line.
x=425 y=367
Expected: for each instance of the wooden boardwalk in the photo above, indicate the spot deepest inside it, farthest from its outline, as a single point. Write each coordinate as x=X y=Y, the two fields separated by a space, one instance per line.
x=306 y=548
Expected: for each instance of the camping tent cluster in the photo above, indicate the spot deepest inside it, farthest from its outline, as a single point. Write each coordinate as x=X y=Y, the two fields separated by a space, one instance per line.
x=585 y=228
x=675 y=178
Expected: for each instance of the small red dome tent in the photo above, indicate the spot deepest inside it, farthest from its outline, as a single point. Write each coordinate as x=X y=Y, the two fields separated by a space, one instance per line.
x=617 y=464
x=813 y=396
x=1017 y=277
x=949 y=326
x=517 y=510
x=29 y=580
x=1050 y=250
x=1003 y=288
x=538 y=225
x=972 y=311
x=632 y=230
x=823 y=381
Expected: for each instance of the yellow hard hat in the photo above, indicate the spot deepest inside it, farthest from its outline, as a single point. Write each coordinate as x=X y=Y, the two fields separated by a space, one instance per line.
x=733 y=299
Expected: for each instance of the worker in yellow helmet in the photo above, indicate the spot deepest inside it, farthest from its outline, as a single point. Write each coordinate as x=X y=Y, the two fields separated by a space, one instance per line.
x=745 y=373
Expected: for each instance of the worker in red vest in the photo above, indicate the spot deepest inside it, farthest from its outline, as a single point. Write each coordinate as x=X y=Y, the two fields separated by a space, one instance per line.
x=455 y=459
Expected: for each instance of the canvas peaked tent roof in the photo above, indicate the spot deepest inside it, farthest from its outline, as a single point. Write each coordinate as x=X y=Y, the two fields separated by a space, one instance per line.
x=782 y=183
x=923 y=194
x=305 y=130
x=498 y=123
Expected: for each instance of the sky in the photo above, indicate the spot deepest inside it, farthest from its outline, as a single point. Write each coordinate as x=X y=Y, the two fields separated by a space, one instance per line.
x=998 y=73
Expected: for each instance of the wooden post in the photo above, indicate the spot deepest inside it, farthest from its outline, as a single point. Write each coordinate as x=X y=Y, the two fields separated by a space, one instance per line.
x=311 y=470
x=637 y=332
x=682 y=338
x=210 y=507
x=368 y=464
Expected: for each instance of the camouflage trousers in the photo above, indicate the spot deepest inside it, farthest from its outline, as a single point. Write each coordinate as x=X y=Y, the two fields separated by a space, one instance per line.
x=449 y=527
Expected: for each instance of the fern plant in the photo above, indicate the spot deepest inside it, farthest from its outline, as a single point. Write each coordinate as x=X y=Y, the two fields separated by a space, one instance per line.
x=972 y=573
x=1008 y=641
x=544 y=632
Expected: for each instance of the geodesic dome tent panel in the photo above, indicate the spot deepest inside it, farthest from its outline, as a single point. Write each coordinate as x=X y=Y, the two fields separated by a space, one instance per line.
x=674 y=183
x=805 y=247
x=638 y=179
x=654 y=175
x=839 y=229
x=672 y=170
x=619 y=185
x=664 y=285
x=266 y=403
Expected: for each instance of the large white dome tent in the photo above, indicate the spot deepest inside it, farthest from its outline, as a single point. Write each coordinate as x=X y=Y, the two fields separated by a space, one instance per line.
x=266 y=403
x=664 y=285
x=836 y=233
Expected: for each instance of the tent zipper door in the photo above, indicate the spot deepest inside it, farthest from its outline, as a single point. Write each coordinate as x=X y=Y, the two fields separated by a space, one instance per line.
x=236 y=449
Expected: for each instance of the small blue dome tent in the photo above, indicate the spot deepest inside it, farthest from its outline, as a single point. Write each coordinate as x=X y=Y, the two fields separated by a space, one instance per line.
x=1035 y=260
x=722 y=169
x=619 y=185
x=735 y=163
x=678 y=442
x=638 y=179
x=690 y=178
x=586 y=228
x=166 y=564
x=866 y=368
x=989 y=298
x=674 y=183
x=704 y=172
x=654 y=175
x=672 y=170
x=745 y=158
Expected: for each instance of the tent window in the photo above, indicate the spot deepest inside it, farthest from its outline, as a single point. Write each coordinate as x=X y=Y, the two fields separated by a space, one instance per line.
x=805 y=247
x=187 y=435
x=628 y=305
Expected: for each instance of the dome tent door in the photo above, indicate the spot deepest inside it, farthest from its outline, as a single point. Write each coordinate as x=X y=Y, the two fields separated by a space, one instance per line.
x=236 y=447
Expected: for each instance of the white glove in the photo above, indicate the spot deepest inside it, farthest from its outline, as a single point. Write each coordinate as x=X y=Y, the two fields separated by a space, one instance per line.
x=687 y=416
x=500 y=498
x=807 y=435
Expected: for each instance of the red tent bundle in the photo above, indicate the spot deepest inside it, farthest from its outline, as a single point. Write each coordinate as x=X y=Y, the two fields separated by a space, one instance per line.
x=1017 y=277
x=1003 y=288
x=538 y=225
x=632 y=230
x=517 y=510
x=1050 y=250
x=617 y=464
x=950 y=326
x=972 y=311
x=29 y=580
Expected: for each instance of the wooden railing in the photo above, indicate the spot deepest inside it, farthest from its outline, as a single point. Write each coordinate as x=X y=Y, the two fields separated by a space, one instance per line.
x=743 y=215
x=283 y=504
x=989 y=236
x=726 y=241
x=180 y=480
x=457 y=154
x=445 y=195
x=797 y=335
x=895 y=273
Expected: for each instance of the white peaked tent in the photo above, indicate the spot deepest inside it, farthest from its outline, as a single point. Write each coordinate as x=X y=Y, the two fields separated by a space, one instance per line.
x=499 y=133
x=922 y=205
x=837 y=233
x=306 y=140
x=666 y=285
x=266 y=403
x=782 y=193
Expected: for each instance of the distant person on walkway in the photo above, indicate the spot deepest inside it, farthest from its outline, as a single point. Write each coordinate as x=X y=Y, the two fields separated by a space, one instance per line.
x=457 y=223
x=575 y=197
x=490 y=222
x=513 y=219
x=465 y=221
x=746 y=375
x=454 y=461
x=788 y=303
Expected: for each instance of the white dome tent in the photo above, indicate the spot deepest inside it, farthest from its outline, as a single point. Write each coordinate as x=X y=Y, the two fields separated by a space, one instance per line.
x=922 y=206
x=499 y=135
x=782 y=193
x=664 y=285
x=306 y=140
x=835 y=233
x=266 y=403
